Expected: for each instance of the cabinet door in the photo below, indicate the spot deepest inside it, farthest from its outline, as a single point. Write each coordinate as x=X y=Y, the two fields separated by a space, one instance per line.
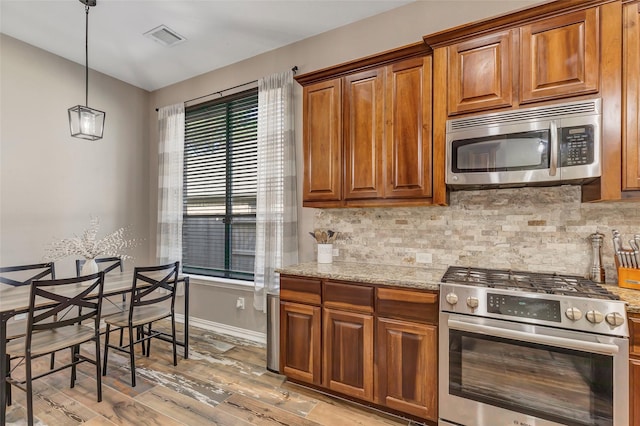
x=348 y=353
x=408 y=129
x=480 y=73
x=560 y=56
x=631 y=82
x=300 y=342
x=322 y=141
x=407 y=367
x=363 y=133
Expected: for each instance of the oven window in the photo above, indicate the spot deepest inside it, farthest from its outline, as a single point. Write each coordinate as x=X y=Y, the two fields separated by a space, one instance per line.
x=559 y=385
x=511 y=152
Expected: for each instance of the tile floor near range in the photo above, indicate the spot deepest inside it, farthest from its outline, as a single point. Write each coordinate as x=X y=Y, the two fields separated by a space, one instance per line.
x=224 y=382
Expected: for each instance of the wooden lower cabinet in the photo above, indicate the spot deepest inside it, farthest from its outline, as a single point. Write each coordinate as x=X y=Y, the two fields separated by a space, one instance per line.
x=300 y=356
x=407 y=367
x=370 y=343
x=348 y=353
x=634 y=389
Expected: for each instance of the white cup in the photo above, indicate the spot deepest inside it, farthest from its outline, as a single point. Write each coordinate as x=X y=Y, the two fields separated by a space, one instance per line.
x=325 y=253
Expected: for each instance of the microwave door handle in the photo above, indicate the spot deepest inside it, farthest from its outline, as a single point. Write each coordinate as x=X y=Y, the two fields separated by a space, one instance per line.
x=553 y=136
x=542 y=339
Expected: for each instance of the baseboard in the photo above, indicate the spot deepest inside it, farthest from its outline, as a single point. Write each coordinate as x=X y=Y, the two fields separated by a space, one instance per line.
x=242 y=333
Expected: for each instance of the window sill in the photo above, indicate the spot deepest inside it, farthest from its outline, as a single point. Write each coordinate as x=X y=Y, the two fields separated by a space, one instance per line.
x=220 y=282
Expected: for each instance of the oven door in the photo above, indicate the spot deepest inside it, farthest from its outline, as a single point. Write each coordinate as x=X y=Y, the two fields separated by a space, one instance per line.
x=499 y=373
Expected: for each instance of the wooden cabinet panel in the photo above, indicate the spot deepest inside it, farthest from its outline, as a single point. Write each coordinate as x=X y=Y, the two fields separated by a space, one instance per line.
x=363 y=124
x=634 y=389
x=322 y=141
x=303 y=290
x=407 y=367
x=408 y=129
x=560 y=56
x=480 y=73
x=631 y=97
x=407 y=304
x=348 y=353
x=300 y=335
x=348 y=297
x=634 y=335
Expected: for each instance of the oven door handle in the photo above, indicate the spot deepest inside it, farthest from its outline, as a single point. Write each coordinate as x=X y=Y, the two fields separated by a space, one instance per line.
x=594 y=347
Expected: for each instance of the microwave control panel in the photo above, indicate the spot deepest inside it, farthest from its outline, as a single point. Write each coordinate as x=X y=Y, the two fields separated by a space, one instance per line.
x=576 y=145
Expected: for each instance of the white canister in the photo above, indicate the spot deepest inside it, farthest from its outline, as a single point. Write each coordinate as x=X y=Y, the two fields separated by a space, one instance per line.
x=325 y=253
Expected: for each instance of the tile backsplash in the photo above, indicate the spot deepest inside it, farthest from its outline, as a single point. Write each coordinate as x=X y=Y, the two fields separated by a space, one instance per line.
x=532 y=229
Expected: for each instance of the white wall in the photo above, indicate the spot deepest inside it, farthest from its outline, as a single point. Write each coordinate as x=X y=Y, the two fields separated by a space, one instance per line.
x=50 y=183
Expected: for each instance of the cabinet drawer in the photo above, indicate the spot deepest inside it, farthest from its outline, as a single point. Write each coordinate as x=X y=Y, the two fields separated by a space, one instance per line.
x=348 y=297
x=634 y=335
x=303 y=290
x=407 y=304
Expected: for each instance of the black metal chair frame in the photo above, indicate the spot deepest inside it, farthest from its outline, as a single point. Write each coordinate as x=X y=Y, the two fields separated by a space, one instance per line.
x=146 y=295
x=45 y=305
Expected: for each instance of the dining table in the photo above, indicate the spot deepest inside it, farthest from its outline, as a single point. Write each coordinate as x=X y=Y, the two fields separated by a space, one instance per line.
x=14 y=301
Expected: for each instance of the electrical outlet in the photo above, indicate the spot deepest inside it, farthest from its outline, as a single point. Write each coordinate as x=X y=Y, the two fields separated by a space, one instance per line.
x=240 y=303
x=424 y=258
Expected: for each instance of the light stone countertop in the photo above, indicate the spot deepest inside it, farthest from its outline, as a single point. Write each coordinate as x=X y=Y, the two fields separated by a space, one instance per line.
x=391 y=275
x=411 y=277
x=629 y=295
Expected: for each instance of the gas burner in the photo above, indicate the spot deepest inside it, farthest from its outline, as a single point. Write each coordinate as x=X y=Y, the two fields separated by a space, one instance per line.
x=533 y=282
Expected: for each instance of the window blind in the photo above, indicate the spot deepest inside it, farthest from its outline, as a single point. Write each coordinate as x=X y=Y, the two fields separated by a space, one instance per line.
x=219 y=207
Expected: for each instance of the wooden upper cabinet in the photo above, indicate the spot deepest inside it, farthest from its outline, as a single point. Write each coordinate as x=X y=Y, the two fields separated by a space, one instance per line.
x=408 y=129
x=631 y=97
x=322 y=141
x=560 y=56
x=480 y=73
x=363 y=103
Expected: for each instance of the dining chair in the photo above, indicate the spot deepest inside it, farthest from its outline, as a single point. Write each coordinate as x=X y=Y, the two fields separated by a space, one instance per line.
x=81 y=298
x=17 y=276
x=107 y=264
x=152 y=298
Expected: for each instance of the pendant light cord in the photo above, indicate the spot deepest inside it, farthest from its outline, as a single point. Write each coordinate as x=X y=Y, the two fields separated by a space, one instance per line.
x=86 y=57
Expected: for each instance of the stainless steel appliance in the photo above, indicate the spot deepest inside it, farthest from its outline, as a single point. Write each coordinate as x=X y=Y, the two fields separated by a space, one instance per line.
x=546 y=145
x=531 y=349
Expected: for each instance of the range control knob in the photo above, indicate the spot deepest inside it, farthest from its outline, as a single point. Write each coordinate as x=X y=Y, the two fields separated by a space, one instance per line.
x=614 y=319
x=595 y=317
x=574 y=314
x=472 y=302
x=451 y=298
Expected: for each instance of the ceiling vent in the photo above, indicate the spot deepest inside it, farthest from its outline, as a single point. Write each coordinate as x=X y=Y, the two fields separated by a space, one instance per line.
x=165 y=36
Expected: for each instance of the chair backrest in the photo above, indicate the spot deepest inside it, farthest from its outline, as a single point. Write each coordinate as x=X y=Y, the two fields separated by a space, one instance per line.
x=52 y=297
x=148 y=279
x=105 y=264
x=25 y=274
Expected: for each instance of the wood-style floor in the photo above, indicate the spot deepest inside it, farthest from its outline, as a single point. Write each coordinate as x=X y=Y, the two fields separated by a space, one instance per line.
x=224 y=382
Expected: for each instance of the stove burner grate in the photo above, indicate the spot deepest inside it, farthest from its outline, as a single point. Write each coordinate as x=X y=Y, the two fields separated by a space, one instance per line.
x=535 y=282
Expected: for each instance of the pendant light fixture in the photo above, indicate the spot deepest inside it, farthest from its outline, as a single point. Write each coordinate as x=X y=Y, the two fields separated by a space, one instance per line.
x=86 y=123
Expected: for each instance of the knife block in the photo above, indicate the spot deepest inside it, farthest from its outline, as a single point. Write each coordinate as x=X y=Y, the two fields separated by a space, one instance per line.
x=628 y=277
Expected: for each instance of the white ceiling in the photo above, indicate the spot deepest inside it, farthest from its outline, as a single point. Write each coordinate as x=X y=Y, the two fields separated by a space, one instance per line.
x=218 y=32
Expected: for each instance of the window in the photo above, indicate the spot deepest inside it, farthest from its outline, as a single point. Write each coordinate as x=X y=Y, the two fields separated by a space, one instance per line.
x=219 y=209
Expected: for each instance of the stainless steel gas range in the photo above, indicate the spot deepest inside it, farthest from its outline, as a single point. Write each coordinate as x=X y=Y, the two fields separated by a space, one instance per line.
x=531 y=349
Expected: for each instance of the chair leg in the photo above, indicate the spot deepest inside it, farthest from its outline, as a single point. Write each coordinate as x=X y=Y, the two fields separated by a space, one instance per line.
x=132 y=358
x=173 y=339
x=106 y=349
x=149 y=340
x=8 y=385
x=29 y=390
x=98 y=369
x=73 y=366
x=53 y=360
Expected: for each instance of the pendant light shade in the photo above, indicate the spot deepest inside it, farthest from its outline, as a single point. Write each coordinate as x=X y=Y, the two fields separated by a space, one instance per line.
x=84 y=122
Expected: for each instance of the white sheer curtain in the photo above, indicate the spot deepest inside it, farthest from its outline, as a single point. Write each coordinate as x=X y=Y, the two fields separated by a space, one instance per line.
x=171 y=159
x=276 y=214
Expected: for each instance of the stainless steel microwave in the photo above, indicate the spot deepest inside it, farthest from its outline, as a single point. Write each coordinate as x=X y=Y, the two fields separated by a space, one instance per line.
x=545 y=146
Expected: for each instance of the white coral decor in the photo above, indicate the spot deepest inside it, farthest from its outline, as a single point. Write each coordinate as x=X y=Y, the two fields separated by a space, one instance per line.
x=88 y=247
